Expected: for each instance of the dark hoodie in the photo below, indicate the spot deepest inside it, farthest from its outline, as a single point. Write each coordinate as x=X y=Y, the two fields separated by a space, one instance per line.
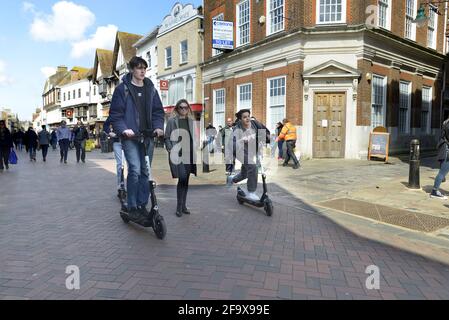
x=124 y=113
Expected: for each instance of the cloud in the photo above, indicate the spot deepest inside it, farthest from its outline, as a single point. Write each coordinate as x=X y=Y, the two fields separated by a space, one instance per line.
x=48 y=71
x=67 y=22
x=103 y=38
x=28 y=7
x=5 y=80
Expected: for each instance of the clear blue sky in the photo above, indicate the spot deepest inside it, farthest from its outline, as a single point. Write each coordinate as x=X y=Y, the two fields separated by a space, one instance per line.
x=37 y=34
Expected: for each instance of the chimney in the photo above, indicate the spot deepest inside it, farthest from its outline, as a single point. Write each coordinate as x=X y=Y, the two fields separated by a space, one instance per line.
x=61 y=69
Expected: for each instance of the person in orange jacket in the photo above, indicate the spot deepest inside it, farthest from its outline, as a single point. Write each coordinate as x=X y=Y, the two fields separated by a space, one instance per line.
x=288 y=134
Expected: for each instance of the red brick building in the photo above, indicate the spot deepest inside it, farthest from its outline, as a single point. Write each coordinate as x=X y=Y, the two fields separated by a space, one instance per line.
x=336 y=69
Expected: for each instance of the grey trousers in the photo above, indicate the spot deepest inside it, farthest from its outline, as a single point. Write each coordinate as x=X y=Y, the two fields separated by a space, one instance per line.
x=249 y=171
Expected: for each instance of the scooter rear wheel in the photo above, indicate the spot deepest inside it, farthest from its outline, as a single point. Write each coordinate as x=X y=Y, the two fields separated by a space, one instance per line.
x=268 y=207
x=159 y=227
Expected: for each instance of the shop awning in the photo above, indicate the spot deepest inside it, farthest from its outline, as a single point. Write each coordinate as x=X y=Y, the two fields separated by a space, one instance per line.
x=198 y=107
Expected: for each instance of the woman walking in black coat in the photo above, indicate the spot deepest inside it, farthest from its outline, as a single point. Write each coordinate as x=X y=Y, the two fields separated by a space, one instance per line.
x=5 y=145
x=31 y=141
x=181 y=145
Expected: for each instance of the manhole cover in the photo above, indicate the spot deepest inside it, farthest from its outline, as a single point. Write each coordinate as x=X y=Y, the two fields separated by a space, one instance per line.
x=398 y=217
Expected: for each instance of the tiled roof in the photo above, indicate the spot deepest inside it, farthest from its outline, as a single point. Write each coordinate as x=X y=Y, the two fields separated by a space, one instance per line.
x=55 y=80
x=104 y=59
x=150 y=35
x=125 y=41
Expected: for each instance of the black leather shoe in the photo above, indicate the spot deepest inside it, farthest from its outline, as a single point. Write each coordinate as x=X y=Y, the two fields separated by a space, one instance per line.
x=179 y=213
x=185 y=210
x=285 y=164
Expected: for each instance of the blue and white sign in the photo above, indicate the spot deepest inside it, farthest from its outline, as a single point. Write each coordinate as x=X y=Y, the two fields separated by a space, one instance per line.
x=223 y=35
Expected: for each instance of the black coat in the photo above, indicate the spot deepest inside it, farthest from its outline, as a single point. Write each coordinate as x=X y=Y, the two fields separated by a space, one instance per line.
x=31 y=139
x=172 y=125
x=6 y=139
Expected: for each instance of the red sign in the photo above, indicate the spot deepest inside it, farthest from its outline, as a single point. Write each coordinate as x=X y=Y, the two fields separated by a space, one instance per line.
x=69 y=113
x=164 y=85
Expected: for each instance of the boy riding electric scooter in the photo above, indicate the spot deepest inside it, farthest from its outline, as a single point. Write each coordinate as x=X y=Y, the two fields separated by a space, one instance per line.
x=246 y=145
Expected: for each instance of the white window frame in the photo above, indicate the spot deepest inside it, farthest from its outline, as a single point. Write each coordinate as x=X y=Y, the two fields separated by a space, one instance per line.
x=409 y=18
x=181 y=61
x=189 y=91
x=237 y=17
x=429 y=110
x=239 y=102
x=434 y=28
x=270 y=18
x=388 y=14
x=409 y=107
x=216 y=124
x=268 y=101
x=343 y=14
x=166 y=58
x=384 y=80
x=219 y=17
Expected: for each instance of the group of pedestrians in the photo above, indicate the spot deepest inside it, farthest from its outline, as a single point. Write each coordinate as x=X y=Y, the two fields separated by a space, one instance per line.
x=43 y=140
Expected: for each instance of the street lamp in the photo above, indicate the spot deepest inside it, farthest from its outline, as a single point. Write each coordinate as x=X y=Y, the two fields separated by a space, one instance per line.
x=421 y=18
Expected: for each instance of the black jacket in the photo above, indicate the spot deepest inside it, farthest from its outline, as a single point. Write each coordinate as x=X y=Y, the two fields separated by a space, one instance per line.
x=80 y=134
x=31 y=139
x=6 y=139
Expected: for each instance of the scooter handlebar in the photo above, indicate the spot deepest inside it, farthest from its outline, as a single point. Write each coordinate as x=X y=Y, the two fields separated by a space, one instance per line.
x=140 y=135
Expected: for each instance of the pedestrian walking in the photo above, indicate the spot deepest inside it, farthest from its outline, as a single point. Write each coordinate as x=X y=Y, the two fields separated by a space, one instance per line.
x=32 y=142
x=211 y=133
x=280 y=143
x=53 y=139
x=137 y=108
x=18 y=139
x=6 y=143
x=443 y=158
x=80 y=137
x=64 y=135
x=180 y=132
x=44 y=141
x=288 y=134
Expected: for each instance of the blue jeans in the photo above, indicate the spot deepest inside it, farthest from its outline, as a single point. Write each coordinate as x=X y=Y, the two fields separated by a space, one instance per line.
x=137 y=183
x=280 y=147
x=64 y=148
x=117 y=147
x=441 y=175
x=32 y=152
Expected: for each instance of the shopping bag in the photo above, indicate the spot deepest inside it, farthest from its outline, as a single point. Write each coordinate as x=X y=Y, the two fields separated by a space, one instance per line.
x=12 y=157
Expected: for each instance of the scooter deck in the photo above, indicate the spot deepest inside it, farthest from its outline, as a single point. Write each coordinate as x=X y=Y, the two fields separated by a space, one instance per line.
x=126 y=218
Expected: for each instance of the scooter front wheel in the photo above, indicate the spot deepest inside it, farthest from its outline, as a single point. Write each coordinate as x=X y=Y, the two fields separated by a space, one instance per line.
x=268 y=207
x=159 y=227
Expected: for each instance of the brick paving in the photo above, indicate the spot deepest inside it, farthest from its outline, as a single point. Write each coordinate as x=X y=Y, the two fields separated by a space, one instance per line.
x=54 y=215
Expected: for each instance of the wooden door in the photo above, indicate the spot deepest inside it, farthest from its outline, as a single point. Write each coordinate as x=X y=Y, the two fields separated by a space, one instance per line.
x=329 y=125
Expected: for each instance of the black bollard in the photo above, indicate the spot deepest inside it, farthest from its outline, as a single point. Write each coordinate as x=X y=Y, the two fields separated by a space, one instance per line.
x=205 y=157
x=414 y=181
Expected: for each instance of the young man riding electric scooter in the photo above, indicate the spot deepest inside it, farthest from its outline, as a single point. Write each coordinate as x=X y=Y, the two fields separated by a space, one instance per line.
x=137 y=115
x=246 y=145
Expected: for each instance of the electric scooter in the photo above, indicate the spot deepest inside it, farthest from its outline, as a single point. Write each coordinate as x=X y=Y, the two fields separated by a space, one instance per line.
x=154 y=220
x=264 y=202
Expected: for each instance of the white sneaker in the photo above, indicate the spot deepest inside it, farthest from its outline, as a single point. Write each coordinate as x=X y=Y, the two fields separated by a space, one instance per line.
x=252 y=196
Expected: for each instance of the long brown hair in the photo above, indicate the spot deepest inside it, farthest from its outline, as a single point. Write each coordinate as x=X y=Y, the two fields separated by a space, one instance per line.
x=175 y=111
